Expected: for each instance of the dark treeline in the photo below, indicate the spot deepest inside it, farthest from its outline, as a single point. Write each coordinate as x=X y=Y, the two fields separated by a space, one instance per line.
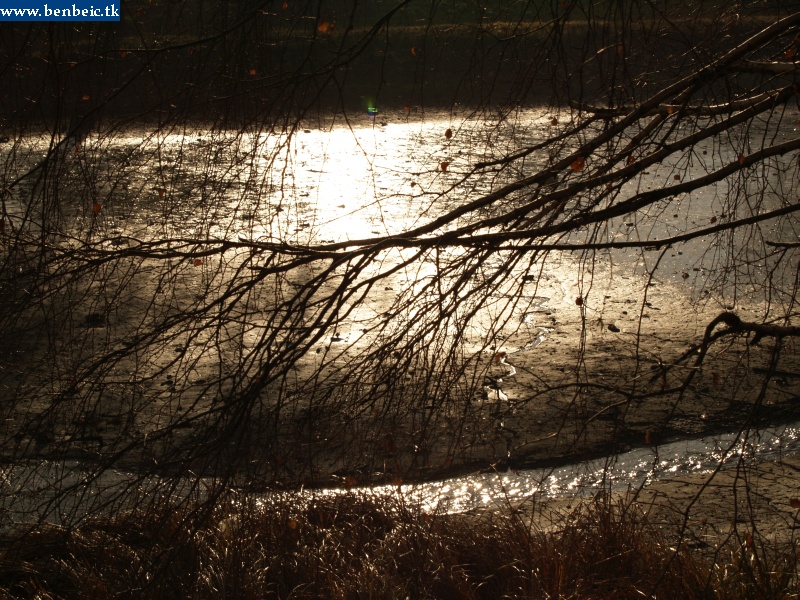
x=236 y=63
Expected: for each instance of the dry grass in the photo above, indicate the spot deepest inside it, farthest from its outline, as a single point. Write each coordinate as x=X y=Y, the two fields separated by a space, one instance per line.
x=355 y=547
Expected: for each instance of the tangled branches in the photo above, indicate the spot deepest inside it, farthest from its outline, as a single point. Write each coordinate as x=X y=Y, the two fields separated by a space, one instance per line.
x=245 y=305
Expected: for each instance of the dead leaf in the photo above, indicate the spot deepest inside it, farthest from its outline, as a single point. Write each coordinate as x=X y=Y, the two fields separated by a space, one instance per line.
x=578 y=164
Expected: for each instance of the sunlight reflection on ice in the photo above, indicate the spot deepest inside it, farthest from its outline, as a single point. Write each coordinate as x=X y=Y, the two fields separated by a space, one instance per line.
x=335 y=185
x=57 y=491
x=619 y=473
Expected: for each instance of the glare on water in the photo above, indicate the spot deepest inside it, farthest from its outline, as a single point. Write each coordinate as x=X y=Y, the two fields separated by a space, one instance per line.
x=337 y=182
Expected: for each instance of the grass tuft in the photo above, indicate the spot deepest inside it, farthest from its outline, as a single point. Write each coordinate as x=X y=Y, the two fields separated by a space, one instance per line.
x=351 y=546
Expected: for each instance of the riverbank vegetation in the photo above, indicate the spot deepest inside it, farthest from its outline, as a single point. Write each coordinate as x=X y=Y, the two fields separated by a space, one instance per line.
x=351 y=546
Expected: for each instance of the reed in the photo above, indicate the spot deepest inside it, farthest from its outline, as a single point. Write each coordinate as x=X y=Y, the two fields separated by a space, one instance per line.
x=354 y=546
